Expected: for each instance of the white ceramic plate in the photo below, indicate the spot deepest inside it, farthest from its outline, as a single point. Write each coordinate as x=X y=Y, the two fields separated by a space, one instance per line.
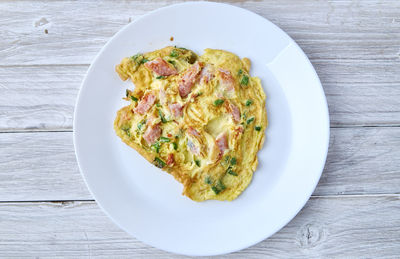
x=146 y=202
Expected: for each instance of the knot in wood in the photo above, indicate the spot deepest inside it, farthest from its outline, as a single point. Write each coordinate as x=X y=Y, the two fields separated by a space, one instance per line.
x=310 y=235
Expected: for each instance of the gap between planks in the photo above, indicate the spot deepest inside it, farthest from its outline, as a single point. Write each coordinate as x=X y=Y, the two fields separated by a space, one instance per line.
x=71 y=130
x=341 y=196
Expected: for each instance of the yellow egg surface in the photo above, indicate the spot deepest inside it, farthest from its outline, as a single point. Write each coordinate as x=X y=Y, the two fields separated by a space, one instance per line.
x=200 y=118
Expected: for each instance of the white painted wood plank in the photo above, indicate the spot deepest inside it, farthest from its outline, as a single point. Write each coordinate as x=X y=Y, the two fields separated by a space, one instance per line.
x=42 y=165
x=46 y=100
x=39 y=97
x=348 y=227
x=39 y=166
x=339 y=29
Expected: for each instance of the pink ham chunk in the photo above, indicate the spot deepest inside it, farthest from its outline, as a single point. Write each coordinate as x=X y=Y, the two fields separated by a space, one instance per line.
x=152 y=134
x=170 y=159
x=161 y=67
x=207 y=74
x=234 y=111
x=222 y=142
x=188 y=79
x=193 y=132
x=176 y=109
x=145 y=103
x=227 y=80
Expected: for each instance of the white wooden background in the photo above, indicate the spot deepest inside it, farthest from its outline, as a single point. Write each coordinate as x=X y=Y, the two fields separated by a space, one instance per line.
x=45 y=50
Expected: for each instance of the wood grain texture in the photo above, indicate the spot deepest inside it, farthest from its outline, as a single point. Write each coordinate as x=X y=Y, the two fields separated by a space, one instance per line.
x=39 y=97
x=325 y=30
x=42 y=165
x=39 y=166
x=326 y=227
x=46 y=101
x=45 y=49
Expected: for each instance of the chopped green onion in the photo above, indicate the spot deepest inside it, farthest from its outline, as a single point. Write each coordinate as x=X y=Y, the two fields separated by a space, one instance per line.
x=245 y=80
x=159 y=162
x=227 y=158
x=139 y=59
x=163 y=120
x=199 y=93
x=207 y=180
x=249 y=102
x=175 y=145
x=171 y=62
x=229 y=171
x=126 y=129
x=164 y=139
x=240 y=72
x=127 y=92
x=174 y=54
x=233 y=161
x=160 y=77
x=218 y=102
x=156 y=147
x=140 y=124
x=135 y=57
x=197 y=162
x=258 y=128
x=250 y=120
x=158 y=105
x=215 y=190
x=134 y=98
x=220 y=185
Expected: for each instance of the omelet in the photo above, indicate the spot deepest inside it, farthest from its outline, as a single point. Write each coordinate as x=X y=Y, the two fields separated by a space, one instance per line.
x=202 y=118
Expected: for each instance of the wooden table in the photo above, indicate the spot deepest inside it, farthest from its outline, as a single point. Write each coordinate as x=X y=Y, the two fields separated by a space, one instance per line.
x=45 y=207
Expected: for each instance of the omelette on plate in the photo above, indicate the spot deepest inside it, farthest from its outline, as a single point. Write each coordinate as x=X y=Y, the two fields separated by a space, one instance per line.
x=200 y=118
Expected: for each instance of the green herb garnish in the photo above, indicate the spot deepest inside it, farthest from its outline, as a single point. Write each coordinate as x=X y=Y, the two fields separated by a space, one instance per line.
x=229 y=171
x=160 y=77
x=158 y=105
x=227 y=158
x=126 y=129
x=156 y=147
x=220 y=185
x=164 y=139
x=233 y=161
x=139 y=59
x=215 y=190
x=127 y=92
x=249 y=102
x=171 y=62
x=218 y=102
x=135 y=57
x=207 y=180
x=240 y=72
x=159 y=162
x=163 y=120
x=140 y=124
x=174 y=53
x=258 y=128
x=175 y=145
x=245 y=80
x=197 y=162
x=250 y=120
x=134 y=98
